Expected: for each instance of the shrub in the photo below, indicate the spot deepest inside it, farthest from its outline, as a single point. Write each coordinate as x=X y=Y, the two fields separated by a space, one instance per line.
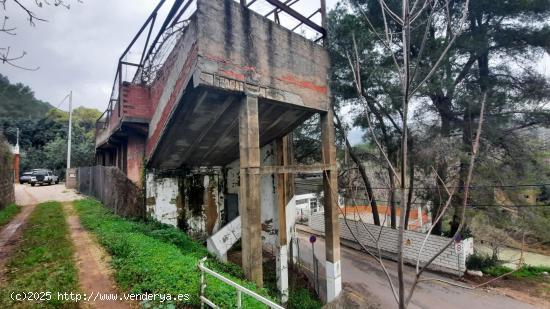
x=480 y=261
x=496 y=271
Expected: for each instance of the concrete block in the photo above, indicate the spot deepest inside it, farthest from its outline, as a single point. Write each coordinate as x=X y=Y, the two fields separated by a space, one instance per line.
x=334 y=280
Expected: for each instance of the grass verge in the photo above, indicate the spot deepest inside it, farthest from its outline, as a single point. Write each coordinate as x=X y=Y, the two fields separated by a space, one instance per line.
x=156 y=258
x=527 y=271
x=43 y=261
x=8 y=213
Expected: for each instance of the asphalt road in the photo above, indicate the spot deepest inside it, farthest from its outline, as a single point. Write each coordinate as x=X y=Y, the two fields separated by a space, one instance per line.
x=364 y=276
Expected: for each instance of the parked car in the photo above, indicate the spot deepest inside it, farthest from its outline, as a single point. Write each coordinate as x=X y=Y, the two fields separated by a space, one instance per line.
x=25 y=177
x=42 y=177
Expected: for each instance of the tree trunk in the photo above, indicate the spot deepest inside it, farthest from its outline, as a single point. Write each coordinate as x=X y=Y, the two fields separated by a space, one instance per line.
x=362 y=172
x=410 y=194
x=393 y=212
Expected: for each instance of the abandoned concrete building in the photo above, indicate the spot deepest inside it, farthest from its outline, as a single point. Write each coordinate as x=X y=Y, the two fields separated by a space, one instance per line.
x=201 y=123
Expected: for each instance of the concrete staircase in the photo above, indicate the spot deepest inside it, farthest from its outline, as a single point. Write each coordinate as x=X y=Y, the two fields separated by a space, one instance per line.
x=219 y=243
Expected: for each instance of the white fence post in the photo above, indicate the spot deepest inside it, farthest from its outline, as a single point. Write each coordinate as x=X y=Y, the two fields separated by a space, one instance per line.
x=237 y=286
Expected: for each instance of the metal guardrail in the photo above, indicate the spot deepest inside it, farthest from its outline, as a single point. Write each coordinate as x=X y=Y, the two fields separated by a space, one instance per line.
x=240 y=289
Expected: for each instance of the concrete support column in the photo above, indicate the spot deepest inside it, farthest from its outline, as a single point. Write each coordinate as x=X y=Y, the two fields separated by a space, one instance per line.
x=285 y=189
x=330 y=189
x=249 y=192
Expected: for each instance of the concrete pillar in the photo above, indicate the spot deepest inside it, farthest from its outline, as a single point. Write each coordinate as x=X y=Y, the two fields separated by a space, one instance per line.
x=330 y=190
x=249 y=191
x=285 y=189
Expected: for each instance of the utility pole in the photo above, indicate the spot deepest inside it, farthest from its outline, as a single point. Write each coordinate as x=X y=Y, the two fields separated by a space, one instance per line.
x=70 y=130
x=16 y=159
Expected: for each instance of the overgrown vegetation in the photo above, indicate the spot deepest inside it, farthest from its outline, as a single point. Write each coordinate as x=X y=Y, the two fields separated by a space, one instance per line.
x=8 y=213
x=527 y=271
x=157 y=258
x=492 y=266
x=481 y=261
x=301 y=299
x=300 y=295
x=43 y=262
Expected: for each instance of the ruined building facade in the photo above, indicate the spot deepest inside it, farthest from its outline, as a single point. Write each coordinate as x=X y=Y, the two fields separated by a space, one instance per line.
x=207 y=136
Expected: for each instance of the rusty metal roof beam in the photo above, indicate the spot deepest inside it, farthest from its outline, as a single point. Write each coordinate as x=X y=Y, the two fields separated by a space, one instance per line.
x=290 y=11
x=289 y=3
x=309 y=17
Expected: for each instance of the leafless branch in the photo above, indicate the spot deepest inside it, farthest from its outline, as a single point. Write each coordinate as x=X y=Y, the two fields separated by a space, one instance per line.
x=475 y=149
x=6 y=58
x=446 y=50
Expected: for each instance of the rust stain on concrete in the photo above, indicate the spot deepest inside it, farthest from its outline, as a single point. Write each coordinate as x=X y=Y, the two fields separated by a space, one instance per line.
x=304 y=84
x=211 y=210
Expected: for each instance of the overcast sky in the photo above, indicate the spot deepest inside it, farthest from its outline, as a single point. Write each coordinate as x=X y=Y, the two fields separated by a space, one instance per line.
x=77 y=49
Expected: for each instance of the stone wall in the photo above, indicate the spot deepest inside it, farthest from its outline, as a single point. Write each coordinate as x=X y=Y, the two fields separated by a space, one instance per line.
x=111 y=186
x=7 y=195
x=448 y=261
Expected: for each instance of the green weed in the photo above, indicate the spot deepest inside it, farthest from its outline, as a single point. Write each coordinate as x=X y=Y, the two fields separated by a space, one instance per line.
x=43 y=262
x=156 y=258
x=526 y=272
x=8 y=213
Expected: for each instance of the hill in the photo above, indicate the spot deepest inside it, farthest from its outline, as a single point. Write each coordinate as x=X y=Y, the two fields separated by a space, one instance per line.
x=43 y=129
x=17 y=101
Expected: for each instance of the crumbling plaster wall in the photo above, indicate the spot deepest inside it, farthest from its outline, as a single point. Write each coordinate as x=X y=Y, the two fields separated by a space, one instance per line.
x=193 y=200
x=268 y=193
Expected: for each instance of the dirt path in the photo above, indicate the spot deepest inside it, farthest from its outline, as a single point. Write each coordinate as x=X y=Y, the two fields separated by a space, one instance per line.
x=91 y=260
x=92 y=263
x=27 y=197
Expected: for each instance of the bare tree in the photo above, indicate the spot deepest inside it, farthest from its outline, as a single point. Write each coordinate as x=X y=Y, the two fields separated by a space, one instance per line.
x=7 y=56
x=416 y=16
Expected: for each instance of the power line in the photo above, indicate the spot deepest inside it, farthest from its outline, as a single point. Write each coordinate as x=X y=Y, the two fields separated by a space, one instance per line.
x=470 y=205
x=456 y=187
x=65 y=98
